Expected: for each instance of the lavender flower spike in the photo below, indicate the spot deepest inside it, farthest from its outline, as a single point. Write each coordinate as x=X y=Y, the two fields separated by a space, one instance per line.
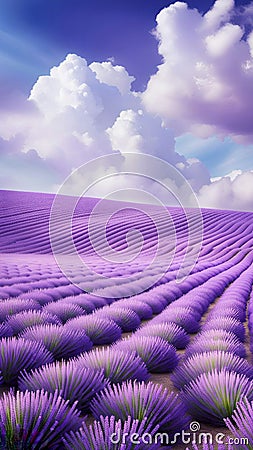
x=73 y=383
x=218 y=394
x=109 y=433
x=35 y=420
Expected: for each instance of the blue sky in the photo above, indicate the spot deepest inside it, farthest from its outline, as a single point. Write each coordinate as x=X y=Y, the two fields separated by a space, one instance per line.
x=43 y=32
x=214 y=128
x=37 y=34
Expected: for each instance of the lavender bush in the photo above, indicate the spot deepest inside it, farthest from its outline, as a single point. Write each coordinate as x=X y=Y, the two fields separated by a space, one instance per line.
x=5 y=330
x=157 y=354
x=140 y=400
x=117 y=365
x=217 y=395
x=19 y=354
x=35 y=420
x=105 y=433
x=143 y=310
x=205 y=362
x=18 y=322
x=226 y=323
x=100 y=331
x=60 y=341
x=64 y=311
x=168 y=331
x=241 y=423
x=73 y=383
x=16 y=305
x=125 y=318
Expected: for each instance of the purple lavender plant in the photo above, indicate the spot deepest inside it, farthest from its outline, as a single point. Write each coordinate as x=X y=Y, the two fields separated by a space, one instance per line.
x=143 y=310
x=100 y=331
x=200 y=363
x=117 y=365
x=64 y=311
x=170 y=332
x=218 y=392
x=60 y=341
x=155 y=302
x=216 y=340
x=72 y=382
x=125 y=318
x=140 y=400
x=227 y=324
x=16 y=305
x=110 y=434
x=25 y=319
x=81 y=301
x=241 y=423
x=182 y=317
x=228 y=309
x=158 y=355
x=5 y=330
x=35 y=420
x=19 y=354
x=41 y=297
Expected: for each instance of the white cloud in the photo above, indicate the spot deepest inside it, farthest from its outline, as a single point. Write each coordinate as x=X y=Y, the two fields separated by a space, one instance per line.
x=205 y=82
x=222 y=41
x=234 y=191
x=219 y=13
x=232 y=175
x=80 y=112
x=112 y=75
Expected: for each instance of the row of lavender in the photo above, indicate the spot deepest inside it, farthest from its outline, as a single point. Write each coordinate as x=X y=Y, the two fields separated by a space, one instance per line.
x=152 y=348
x=48 y=329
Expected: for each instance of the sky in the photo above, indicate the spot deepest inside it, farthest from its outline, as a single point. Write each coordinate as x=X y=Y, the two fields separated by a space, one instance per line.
x=81 y=79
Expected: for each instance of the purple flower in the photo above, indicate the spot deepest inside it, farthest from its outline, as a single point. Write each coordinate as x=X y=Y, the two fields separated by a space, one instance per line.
x=96 y=301
x=200 y=363
x=156 y=305
x=25 y=319
x=72 y=382
x=41 y=297
x=125 y=318
x=19 y=354
x=168 y=331
x=143 y=310
x=228 y=309
x=117 y=365
x=213 y=396
x=183 y=317
x=140 y=400
x=64 y=311
x=157 y=354
x=60 y=341
x=216 y=340
x=100 y=331
x=155 y=300
x=228 y=324
x=109 y=433
x=5 y=330
x=241 y=423
x=81 y=301
x=35 y=420
x=16 y=305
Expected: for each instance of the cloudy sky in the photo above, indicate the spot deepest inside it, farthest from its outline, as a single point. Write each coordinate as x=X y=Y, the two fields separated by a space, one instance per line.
x=82 y=79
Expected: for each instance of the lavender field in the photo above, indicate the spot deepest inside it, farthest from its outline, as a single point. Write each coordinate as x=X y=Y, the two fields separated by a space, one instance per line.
x=123 y=359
